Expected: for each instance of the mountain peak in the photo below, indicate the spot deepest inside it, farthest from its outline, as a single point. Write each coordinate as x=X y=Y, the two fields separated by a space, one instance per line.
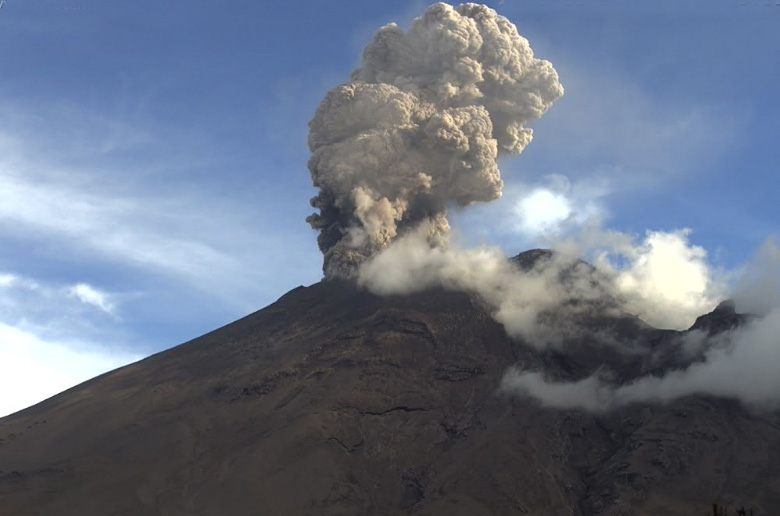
x=529 y=259
x=723 y=318
x=335 y=401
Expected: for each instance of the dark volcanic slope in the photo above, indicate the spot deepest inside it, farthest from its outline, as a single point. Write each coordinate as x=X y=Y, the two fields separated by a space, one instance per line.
x=336 y=402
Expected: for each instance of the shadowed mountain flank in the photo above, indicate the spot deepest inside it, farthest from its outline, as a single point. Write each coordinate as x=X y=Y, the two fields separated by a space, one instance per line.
x=334 y=401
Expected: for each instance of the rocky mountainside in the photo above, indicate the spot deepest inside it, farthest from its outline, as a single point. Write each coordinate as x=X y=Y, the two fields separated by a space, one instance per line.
x=333 y=401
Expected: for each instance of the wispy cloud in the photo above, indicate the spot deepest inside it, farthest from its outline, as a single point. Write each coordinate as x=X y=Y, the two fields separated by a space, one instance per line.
x=107 y=233
x=92 y=296
x=610 y=126
x=78 y=311
x=49 y=336
x=107 y=210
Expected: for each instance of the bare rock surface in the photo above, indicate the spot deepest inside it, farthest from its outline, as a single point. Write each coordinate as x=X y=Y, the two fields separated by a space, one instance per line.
x=333 y=401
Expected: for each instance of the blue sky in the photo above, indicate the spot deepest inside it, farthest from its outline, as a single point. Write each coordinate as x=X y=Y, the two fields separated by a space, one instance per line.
x=153 y=180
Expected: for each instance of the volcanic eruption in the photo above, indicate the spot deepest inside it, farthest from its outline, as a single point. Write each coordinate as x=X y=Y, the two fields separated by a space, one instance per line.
x=424 y=378
x=420 y=127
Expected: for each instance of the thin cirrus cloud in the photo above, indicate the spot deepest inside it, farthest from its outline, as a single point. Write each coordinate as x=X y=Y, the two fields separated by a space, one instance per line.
x=105 y=209
x=99 y=241
x=612 y=127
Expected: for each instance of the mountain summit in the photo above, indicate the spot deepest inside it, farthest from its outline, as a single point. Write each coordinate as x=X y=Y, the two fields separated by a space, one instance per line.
x=335 y=401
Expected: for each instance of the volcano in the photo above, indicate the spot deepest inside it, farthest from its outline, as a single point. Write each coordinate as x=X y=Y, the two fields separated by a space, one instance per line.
x=335 y=401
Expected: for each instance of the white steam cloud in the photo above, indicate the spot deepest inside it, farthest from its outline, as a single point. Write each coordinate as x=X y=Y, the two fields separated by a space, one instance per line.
x=517 y=298
x=543 y=210
x=420 y=127
x=663 y=280
x=548 y=210
x=741 y=363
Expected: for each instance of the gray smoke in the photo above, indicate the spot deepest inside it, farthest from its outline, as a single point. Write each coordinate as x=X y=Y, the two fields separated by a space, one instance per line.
x=419 y=127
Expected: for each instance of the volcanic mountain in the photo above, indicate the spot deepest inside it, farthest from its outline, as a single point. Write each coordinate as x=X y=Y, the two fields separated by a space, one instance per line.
x=335 y=401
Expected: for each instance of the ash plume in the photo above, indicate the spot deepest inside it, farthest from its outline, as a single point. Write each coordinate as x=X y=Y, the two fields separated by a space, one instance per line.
x=419 y=127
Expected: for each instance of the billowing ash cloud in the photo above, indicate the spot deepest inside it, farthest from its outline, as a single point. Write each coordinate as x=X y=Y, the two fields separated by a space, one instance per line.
x=420 y=127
